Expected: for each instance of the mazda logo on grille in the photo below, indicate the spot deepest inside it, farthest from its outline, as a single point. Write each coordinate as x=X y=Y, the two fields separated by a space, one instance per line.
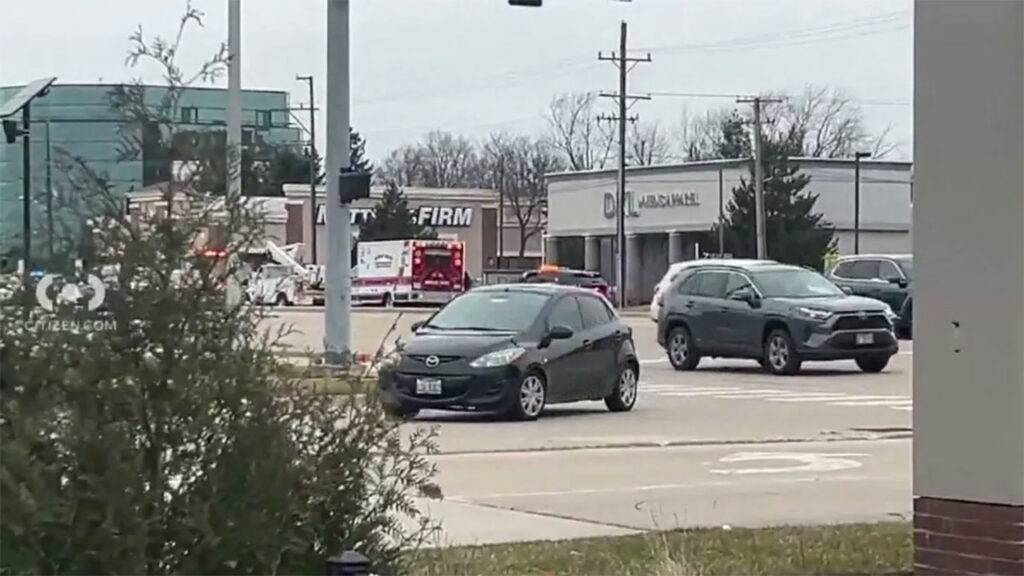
x=862 y=315
x=432 y=361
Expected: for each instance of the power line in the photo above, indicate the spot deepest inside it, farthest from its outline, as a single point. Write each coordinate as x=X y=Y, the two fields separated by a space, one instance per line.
x=862 y=101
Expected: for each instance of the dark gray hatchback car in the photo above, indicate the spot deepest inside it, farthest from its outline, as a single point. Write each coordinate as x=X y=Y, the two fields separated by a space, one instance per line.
x=777 y=314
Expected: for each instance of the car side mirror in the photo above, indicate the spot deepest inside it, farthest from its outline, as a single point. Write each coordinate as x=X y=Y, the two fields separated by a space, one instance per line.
x=846 y=290
x=902 y=283
x=560 y=332
x=417 y=325
x=746 y=295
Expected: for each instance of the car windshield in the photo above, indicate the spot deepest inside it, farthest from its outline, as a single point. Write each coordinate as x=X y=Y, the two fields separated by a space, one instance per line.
x=907 y=265
x=490 y=311
x=795 y=283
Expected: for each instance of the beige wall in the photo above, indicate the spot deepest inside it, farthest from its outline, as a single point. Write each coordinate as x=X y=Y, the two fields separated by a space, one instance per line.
x=875 y=242
x=969 y=250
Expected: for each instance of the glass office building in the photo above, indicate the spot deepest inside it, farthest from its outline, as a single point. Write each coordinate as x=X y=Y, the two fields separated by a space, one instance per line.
x=76 y=123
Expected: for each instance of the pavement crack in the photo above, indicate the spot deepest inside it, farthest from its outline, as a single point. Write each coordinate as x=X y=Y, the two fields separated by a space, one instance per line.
x=679 y=443
x=548 y=515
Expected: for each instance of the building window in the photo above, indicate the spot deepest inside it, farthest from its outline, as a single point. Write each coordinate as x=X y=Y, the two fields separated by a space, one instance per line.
x=189 y=115
x=263 y=119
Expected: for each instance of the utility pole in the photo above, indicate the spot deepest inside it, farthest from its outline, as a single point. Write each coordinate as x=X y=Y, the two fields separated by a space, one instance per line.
x=856 y=199
x=49 y=195
x=337 y=315
x=762 y=245
x=312 y=165
x=721 y=215
x=233 y=115
x=625 y=64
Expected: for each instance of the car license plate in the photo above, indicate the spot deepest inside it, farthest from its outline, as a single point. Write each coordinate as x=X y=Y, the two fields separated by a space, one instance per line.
x=428 y=386
x=863 y=339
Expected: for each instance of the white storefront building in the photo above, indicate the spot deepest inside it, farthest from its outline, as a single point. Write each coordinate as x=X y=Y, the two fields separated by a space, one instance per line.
x=671 y=208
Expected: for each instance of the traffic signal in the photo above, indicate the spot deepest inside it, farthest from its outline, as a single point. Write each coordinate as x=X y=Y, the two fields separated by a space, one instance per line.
x=11 y=131
x=353 y=186
x=525 y=2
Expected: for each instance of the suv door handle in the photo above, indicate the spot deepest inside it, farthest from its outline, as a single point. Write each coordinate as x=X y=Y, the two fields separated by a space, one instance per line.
x=689 y=304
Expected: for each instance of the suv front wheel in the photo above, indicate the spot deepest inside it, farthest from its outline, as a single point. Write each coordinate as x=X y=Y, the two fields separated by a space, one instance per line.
x=780 y=355
x=681 y=351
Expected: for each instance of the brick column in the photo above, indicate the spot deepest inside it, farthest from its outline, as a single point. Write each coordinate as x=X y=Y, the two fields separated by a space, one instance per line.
x=969 y=287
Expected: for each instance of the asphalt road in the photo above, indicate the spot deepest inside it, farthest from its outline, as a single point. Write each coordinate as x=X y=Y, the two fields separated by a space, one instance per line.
x=724 y=445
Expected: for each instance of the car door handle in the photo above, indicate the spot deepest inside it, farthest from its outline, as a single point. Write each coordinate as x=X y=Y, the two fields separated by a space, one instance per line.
x=689 y=304
x=587 y=343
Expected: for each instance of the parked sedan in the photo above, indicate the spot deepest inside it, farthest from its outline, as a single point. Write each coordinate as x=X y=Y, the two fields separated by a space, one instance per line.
x=513 y=349
x=779 y=315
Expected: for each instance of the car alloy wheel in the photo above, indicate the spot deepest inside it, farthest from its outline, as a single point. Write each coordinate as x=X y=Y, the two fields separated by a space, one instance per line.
x=778 y=352
x=531 y=396
x=627 y=386
x=680 y=349
x=780 y=355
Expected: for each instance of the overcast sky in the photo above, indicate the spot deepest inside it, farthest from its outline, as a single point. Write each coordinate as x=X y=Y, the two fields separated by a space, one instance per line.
x=476 y=66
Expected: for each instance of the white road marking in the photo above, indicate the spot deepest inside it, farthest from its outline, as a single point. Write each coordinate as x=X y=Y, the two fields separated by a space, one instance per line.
x=686 y=394
x=844 y=397
x=903 y=408
x=873 y=402
x=654 y=361
x=808 y=462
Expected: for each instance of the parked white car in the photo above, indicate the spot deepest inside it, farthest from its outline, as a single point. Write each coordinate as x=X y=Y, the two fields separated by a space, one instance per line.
x=674 y=270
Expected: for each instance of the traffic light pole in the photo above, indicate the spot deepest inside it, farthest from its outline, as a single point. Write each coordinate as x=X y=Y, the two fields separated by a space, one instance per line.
x=337 y=316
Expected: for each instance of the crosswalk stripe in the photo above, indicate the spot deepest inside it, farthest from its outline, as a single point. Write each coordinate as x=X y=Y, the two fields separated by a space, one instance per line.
x=698 y=393
x=754 y=394
x=671 y=388
x=845 y=397
x=810 y=397
x=871 y=402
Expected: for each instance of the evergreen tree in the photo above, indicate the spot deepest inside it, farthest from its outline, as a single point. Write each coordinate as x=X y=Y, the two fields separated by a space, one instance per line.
x=795 y=233
x=392 y=219
x=357 y=158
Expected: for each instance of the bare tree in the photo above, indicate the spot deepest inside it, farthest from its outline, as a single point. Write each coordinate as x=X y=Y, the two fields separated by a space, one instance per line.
x=831 y=122
x=647 y=144
x=449 y=161
x=576 y=133
x=516 y=166
x=698 y=136
x=403 y=166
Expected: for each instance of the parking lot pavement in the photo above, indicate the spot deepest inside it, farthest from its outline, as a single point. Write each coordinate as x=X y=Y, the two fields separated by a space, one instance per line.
x=692 y=486
x=700 y=448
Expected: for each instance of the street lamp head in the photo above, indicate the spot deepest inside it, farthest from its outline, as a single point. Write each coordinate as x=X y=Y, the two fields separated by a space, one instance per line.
x=859 y=155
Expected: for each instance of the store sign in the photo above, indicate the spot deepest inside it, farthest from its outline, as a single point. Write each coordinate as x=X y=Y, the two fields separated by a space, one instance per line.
x=635 y=204
x=434 y=216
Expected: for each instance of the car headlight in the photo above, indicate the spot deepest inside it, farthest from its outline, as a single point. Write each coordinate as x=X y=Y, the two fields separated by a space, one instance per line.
x=890 y=314
x=498 y=358
x=814 y=313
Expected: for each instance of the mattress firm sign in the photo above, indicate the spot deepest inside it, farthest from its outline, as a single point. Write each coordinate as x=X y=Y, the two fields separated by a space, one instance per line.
x=635 y=204
x=433 y=216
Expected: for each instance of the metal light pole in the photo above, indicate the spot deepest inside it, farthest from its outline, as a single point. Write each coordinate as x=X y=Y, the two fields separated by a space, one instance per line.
x=49 y=195
x=26 y=188
x=312 y=166
x=337 y=316
x=856 y=198
x=233 y=114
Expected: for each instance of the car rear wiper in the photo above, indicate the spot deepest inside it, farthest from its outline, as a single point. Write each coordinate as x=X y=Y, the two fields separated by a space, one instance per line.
x=480 y=329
